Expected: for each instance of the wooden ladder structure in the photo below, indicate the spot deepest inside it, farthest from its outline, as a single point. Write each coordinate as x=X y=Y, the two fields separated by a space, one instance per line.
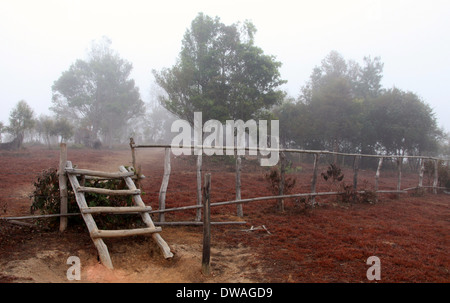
x=87 y=212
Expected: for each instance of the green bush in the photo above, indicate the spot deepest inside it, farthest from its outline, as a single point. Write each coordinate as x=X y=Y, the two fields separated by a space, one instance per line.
x=46 y=200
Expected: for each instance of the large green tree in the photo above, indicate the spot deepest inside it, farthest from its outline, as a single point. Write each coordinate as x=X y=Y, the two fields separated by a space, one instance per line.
x=331 y=102
x=221 y=73
x=98 y=93
x=343 y=107
x=403 y=123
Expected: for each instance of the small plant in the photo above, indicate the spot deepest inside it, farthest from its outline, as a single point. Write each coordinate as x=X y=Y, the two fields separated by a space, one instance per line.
x=348 y=194
x=333 y=176
x=274 y=179
x=367 y=195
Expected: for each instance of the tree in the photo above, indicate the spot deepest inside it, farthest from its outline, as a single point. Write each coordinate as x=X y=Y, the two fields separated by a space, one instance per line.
x=404 y=123
x=2 y=129
x=63 y=128
x=343 y=107
x=97 y=93
x=21 y=119
x=329 y=99
x=45 y=127
x=221 y=73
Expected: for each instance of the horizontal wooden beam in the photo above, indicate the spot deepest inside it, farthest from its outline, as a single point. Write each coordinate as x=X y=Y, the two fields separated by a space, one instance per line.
x=197 y=223
x=125 y=232
x=115 y=210
x=86 y=172
x=110 y=192
x=288 y=150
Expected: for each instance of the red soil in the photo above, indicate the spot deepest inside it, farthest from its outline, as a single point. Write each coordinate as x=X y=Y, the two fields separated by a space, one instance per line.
x=330 y=243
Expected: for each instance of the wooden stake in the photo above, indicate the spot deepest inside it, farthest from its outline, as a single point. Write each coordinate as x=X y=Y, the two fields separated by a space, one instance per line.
x=436 y=176
x=164 y=184
x=355 y=176
x=240 y=211
x=133 y=153
x=377 y=177
x=282 y=181
x=314 y=178
x=198 y=216
x=63 y=187
x=206 y=270
x=399 y=173
x=422 y=169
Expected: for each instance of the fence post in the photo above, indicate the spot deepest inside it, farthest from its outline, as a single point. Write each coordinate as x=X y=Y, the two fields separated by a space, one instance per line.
x=198 y=216
x=377 y=177
x=314 y=178
x=206 y=256
x=399 y=174
x=355 y=176
x=282 y=180
x=240 y=211
x=422 y=169
x=164 y=184
x=63 y=186
x=436 y=176
x=133 y=153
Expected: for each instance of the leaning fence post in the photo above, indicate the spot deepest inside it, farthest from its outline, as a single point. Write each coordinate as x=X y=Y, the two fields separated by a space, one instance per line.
x=314 y=179
x=206 y=270
x=63 y=187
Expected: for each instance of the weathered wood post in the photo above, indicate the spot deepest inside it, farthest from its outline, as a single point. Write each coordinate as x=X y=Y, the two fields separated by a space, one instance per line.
x=206 y=256
x=164 y=184
x=198 y=216
x=282 y=181
x=377 y=178
x=436 y=176
x=356 y=161
x=137 y=170
x=239 y=208
x=399 y=174
x=63 y=187
x=133 y=153
x=421 y=171
x=314 y=178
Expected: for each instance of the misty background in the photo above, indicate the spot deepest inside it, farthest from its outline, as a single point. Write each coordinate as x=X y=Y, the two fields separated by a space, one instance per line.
x=42 y=39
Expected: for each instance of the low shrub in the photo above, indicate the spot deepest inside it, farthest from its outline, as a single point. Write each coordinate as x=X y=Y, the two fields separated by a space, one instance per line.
x=46 y=200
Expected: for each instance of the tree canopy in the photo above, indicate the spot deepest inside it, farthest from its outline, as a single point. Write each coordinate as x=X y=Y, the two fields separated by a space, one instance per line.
x=343 y=107
x=98 y=93
x=221 y=73
x=21 y=119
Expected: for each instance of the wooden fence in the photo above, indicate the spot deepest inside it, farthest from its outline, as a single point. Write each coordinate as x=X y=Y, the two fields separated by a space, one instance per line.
x=282 y=151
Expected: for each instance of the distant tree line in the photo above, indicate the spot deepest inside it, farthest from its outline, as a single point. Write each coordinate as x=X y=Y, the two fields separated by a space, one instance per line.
x=343 y=107
x=222 y=73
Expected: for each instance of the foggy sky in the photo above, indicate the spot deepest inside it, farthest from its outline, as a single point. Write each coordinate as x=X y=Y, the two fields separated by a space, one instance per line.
x=41 y=39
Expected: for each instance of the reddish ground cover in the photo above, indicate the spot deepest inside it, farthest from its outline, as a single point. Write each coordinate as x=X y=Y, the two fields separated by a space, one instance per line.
x=330 y=243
